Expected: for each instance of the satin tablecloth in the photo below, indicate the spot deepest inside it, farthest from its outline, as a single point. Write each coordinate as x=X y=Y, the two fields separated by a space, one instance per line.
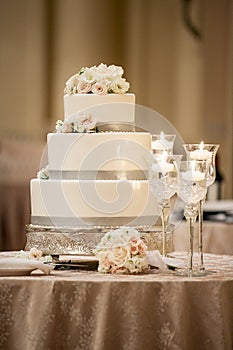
x=85 y=310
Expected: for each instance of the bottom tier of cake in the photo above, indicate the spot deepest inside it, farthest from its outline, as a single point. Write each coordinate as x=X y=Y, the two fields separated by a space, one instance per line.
x=82 y=241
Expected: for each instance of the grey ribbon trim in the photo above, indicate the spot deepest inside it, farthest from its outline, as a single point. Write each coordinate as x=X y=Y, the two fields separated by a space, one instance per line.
x=98 y=175
x=93 y=221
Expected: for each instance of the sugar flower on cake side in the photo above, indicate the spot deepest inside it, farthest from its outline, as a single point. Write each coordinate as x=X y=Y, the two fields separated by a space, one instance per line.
x=122 y=251
x=77 y=123
x=100 y=80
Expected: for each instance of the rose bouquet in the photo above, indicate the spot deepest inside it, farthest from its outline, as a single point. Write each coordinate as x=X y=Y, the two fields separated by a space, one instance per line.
x=122 y=251
x=100 y=80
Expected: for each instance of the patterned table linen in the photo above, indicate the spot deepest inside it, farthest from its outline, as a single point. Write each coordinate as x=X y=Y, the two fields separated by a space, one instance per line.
x=82 y=310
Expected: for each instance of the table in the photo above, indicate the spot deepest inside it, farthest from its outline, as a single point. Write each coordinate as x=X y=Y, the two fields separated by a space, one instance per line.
x=85 y=310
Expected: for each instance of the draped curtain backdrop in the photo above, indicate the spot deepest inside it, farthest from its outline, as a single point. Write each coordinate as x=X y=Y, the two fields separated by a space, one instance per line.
x=178 y=62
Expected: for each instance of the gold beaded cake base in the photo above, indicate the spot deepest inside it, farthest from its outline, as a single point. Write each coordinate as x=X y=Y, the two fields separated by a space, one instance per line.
x=82 y=241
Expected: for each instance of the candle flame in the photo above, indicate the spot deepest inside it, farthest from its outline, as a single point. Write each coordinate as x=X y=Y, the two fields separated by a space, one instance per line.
x=162 y=136
x=201 y=146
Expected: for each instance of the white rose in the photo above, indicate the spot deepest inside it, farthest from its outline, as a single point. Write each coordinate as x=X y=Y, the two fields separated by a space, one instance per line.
x=59 y=125
x=71 y=85
x=84 y=87
x=120 y=86
x=88 y=76
x=99 y=88
x=102 y=70
x=119 y=255
x=43 y=173
x=115 y=72
x=35 y=254
x=79 y=128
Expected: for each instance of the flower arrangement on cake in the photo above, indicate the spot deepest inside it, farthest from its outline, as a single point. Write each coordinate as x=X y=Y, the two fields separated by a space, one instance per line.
x=122 y=251
x=100 y=80
x=43 y=173
x=77 y=123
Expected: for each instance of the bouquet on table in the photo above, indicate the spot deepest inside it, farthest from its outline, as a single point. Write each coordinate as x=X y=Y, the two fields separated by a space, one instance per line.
x=122 y=251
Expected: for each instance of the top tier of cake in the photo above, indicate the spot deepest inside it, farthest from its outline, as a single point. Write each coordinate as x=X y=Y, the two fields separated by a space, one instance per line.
x=101 y=91
x=105 y=108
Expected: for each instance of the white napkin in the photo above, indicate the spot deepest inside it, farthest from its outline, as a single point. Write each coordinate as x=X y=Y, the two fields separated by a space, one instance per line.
x=155 y=259
x=17 y=263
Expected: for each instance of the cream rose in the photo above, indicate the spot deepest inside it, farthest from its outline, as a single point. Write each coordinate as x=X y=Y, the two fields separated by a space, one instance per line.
x=104 y=263
x=71 y=85
x=115 y=72
x=35 y=254
x=120 y=86
x=88 y=75
x=119 y=255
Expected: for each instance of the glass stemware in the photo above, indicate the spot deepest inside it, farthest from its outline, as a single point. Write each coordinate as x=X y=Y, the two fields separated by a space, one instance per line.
x=163 y=185
x=162 y=145
x=191 y=189
x=202 y=152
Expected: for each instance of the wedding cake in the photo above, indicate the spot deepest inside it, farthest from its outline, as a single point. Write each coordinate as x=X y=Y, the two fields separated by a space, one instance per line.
x=97 y=173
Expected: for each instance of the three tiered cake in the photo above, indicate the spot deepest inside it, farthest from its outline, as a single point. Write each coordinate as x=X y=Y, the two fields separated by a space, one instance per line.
x=97 y=174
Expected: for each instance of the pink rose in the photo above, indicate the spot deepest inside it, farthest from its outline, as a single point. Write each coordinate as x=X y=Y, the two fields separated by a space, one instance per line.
x=137 y=246
x=84 y=87
x=99 y=89
x=66 y=128
x=142 y=248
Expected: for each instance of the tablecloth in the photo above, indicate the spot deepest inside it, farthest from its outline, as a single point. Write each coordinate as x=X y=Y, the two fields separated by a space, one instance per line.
x=86 y=310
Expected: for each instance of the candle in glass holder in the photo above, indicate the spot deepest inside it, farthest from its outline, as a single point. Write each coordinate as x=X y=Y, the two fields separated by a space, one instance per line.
x=201 y=153
x=193 y=175
x=161 y=144
x=162 y=167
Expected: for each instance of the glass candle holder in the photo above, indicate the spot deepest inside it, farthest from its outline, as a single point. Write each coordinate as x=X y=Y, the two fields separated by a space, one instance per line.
x=204 y=152
x=191 y=189
x=162 y=145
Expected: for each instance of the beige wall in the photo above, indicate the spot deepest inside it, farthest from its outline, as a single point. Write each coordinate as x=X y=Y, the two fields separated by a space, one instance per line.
x=188 y=81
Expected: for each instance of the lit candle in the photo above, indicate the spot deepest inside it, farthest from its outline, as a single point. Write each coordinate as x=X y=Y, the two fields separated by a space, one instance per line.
x=161 y=144
x=193 y=175
x=162 y=167
x=201 y=153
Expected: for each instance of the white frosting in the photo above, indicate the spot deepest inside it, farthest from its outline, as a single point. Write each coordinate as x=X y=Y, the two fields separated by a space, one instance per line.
x=107 y=108
x=125 y=151
x=98 y=199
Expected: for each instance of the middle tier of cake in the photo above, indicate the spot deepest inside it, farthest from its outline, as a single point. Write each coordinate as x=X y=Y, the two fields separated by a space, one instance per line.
x=76 y=203
x=99 y=156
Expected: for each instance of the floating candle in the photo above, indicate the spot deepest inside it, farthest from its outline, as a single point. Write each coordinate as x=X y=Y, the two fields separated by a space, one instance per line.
x=193 y=175
x=201 y=153
x=162 y=167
